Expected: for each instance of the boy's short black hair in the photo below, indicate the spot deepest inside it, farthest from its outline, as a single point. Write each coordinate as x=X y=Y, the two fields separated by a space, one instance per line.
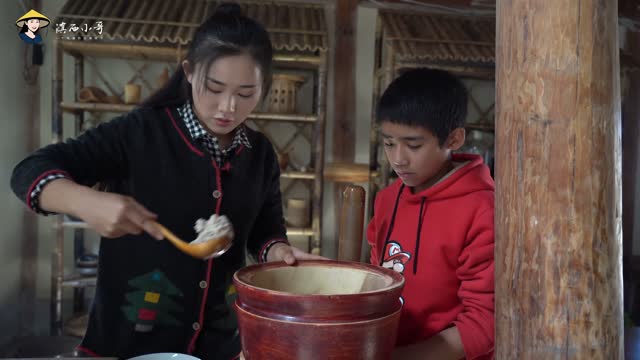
x=433 y=99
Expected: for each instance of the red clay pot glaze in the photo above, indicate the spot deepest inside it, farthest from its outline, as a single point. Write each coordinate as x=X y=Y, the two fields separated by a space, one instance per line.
x=318 y=310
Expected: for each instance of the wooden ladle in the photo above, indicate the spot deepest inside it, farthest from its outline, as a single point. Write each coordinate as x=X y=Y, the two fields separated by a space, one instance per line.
x=202 y=250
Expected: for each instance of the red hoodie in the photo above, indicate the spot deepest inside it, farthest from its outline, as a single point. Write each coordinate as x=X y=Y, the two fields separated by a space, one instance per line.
x=441 y=240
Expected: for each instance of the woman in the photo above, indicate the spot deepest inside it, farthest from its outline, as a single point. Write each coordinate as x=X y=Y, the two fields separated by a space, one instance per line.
x=183 y=155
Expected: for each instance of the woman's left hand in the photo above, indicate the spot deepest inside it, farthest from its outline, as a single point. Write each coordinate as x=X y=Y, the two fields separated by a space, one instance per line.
x=289 y=254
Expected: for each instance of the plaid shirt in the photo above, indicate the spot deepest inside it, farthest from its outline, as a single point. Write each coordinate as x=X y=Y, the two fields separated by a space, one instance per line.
x=37 y=190
x=210 y=142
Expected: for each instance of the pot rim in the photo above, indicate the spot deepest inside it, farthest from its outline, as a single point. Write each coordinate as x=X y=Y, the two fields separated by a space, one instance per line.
x=397 y=278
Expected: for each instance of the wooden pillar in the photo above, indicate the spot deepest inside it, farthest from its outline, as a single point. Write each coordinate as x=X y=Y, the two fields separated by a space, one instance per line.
x=318 y=156
x=630 y=182
x=558 y=181
x=344 y=80
x=78 y=234
x=29 y=243
x=351 y=223
x=57 y=253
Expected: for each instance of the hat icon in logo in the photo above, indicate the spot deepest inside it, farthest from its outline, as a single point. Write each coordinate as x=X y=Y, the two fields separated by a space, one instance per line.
x=30 y=24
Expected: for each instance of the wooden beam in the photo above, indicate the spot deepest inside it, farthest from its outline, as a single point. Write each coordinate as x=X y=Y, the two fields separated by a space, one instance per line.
x=345 y=81
x=558 y=195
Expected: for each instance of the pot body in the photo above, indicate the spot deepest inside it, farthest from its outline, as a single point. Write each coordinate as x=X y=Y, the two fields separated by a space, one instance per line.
x=318 y=310
x=266 y=338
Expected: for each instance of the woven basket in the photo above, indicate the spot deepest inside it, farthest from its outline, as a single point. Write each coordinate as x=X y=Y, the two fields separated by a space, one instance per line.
x=93 y=94
x=77 y=326
x=282 y=97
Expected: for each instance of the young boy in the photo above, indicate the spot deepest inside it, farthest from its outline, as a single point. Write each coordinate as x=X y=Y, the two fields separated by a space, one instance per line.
x=435 y=223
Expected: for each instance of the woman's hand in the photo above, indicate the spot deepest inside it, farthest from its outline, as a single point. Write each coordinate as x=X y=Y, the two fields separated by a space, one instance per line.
x=111 y=215
x=289 y=254
x=114 y=215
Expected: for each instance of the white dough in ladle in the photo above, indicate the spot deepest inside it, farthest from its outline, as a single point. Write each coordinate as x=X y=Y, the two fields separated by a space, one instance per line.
x=215 y=227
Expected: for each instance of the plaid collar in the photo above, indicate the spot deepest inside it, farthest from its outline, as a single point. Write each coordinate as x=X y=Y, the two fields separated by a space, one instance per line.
x=198 y=133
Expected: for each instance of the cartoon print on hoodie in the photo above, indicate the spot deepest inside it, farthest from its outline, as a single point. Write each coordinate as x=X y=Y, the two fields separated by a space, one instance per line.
x=395 y=259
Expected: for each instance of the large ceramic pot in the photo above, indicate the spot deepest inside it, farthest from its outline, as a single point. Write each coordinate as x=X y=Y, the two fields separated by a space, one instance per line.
x=318 y=310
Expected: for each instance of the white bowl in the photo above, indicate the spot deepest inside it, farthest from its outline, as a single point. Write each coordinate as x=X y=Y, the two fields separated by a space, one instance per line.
x=165 y=356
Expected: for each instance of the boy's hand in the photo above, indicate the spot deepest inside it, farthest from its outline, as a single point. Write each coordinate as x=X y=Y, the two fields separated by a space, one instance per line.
x=289 y=254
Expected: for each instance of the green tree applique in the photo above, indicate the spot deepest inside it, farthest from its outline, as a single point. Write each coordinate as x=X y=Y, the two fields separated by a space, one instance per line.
x=151 y=303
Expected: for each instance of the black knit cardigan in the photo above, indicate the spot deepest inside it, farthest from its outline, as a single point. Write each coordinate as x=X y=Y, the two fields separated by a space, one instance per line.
x=150 y=297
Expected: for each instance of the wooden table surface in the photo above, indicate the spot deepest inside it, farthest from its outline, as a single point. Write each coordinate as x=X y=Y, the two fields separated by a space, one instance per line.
x=631 y=347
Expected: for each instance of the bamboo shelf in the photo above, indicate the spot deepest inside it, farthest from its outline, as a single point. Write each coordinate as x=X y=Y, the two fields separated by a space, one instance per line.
x=348 y=172
x=480 y=127
x=167 y=54
x=70 y=224
x=284 y=117
x=75 y=107
x=82 y=225
x=300 y=232
x=78 y=281
x=302 y=175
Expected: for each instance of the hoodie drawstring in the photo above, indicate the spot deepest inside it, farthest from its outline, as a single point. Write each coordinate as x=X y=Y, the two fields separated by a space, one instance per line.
x=415 y=256
x=393 y=220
